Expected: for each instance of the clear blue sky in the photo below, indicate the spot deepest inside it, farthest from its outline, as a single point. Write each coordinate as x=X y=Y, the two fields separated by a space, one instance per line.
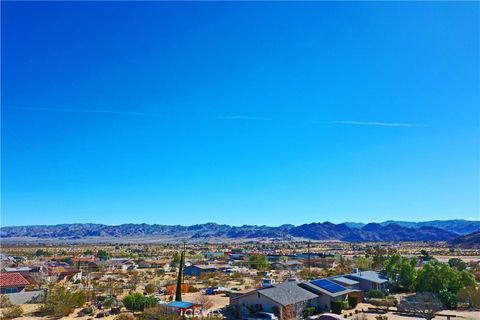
x=252 y=113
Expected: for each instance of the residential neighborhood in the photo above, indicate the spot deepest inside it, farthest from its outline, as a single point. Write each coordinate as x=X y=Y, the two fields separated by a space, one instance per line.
x=285 y=281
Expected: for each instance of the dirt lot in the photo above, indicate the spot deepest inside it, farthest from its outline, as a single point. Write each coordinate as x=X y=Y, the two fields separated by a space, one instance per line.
x=470 y=315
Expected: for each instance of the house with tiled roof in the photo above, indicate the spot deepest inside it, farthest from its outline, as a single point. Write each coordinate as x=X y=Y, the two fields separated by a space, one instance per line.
x=12 y=282
x=31 y=273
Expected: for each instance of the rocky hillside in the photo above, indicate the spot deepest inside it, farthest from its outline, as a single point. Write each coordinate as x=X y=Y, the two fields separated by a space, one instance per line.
x=471 y=240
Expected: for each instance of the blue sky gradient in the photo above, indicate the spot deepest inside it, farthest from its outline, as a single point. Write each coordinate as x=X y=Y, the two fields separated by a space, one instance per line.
x=239 y=113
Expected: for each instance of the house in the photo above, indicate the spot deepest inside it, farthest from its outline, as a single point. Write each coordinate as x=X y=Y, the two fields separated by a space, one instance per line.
x=19 y=269
x=159 y=263
x=12 y=282
x=237 y=256
x=19 y=259
x=63 y=272
x=196 y=270
x=85 y=261
x=369 y=280
x=327 y=291
x=291 y=265
x=118 y=264
x=33 y=274
x=287 y=300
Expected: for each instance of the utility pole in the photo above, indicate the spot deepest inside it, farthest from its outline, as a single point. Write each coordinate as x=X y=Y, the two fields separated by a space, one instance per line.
x=184 y=251
x=308 y=248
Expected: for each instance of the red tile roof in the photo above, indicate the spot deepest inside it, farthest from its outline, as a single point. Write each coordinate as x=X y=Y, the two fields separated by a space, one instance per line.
x=13 y=279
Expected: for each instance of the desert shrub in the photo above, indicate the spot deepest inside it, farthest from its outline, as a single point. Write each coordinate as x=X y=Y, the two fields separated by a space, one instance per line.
x=193 y=289
x=125 y=316
x=469 y=297
x=381 y=317
x=61 y=301
x=393 y=300
x=377 y=294
x=352 y=301
x=150 y=288
x=158 y=313
x=336 y=307
x=425 y=304
x=386 y=303
x=5 y=301
x=11 y=312
x=138 y=302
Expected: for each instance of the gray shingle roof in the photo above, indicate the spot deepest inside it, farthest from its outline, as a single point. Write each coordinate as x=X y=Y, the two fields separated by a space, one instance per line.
x=287 y=293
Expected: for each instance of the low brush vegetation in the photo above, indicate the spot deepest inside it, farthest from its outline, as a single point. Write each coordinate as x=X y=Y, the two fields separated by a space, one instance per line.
x=61 y=301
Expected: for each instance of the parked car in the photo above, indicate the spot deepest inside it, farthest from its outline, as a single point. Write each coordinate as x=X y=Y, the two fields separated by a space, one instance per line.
x=262 y=316
x=215 y=290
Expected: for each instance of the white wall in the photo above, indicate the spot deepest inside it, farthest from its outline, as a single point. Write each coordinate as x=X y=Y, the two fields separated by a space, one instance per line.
x=253 y=299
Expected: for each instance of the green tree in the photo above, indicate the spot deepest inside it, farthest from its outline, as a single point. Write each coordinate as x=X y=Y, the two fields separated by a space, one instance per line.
x=102 y=254
x=379 y=255
x=259 y=262
x=425 y=255
x=457 y=263
x=401 y=271
x=41 y=252
x=436 y=276
x=364 y=263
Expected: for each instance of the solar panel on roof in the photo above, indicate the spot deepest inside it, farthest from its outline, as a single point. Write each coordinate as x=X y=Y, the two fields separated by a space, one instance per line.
x=328 y=285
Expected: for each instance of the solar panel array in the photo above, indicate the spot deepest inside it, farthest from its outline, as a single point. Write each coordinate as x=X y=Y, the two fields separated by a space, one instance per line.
x=328 y=285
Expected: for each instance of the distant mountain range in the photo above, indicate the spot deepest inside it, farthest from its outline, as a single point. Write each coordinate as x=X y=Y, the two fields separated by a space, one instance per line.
x=458 y=225
x=387 y=231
